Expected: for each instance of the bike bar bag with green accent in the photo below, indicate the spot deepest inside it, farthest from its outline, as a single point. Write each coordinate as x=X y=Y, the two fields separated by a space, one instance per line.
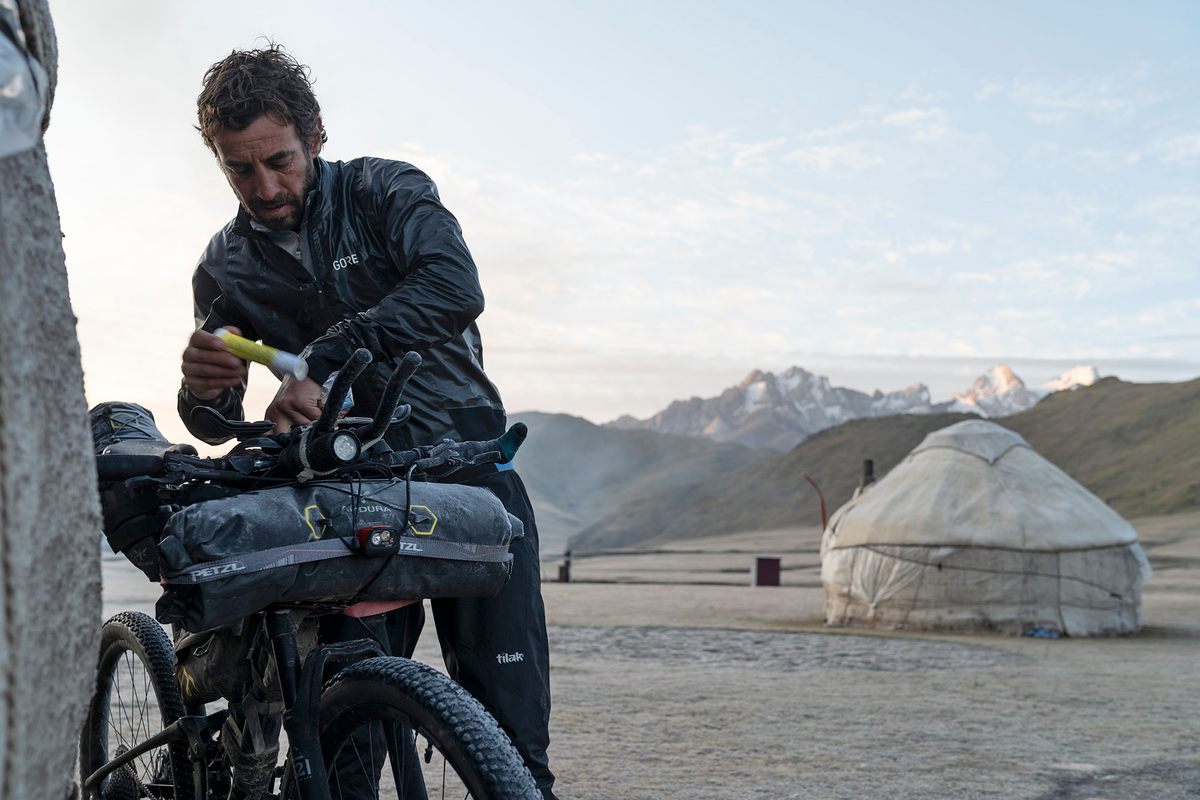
x=224 y=559
x=134 y=515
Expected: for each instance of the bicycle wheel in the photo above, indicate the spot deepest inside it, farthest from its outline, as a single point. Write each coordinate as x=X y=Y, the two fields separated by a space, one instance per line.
x=474 y=758
x=135 y=697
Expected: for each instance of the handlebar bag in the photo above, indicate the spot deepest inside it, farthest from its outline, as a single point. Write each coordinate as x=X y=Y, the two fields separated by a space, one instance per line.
x=226 y=558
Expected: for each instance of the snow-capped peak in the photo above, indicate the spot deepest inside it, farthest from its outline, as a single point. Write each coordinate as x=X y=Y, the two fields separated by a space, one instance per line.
x=998 y=392
x=1075 y=377
x=766 y=409
x=999 y=379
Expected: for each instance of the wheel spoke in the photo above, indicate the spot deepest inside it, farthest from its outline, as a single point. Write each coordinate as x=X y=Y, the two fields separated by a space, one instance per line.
x=444 y=778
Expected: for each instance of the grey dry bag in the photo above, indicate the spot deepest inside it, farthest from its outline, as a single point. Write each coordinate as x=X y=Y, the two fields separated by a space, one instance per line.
x=226 y=558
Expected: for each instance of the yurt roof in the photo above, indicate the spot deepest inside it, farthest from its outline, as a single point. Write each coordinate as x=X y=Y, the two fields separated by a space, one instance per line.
x=977 y=484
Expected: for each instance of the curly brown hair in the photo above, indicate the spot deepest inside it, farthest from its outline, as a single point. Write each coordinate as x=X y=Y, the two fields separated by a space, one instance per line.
x=246 y=84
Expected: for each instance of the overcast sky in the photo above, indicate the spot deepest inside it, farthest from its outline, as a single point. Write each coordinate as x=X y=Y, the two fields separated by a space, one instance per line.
x=662 y=196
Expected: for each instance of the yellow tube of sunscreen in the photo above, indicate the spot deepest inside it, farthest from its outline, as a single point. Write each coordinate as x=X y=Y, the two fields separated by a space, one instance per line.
x=278 y=361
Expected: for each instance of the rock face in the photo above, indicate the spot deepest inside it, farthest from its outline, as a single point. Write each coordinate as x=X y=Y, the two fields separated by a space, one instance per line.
x=780 y=411
x=49 y=514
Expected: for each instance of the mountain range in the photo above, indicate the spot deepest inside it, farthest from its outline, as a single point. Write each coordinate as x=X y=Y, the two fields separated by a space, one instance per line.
x=1136 y=446
x=780 y=411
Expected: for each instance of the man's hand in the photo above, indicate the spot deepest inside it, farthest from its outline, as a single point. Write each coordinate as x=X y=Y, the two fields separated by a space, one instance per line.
x=208 y=368
x=297 y=402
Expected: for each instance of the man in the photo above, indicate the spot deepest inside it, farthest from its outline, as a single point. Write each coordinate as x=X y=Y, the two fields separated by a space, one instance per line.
x=327 y=257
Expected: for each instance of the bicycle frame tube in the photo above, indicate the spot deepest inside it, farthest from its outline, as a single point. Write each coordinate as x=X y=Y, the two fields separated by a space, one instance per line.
x=191 y=729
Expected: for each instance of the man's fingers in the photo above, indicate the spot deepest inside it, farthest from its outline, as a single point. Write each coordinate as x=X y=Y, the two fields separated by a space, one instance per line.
x=203 y=340
x=295 y=413
x=294 y=404
x=286 y=417
x=210 y=355
x=208 y=368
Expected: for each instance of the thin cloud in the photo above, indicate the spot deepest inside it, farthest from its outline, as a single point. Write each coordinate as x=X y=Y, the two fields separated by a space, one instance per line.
x=1119 y=95
x=829 y=158
x=722 y=147
x=1087 y=160
x=1183 y=149
x=933 y=247
x=931 y=124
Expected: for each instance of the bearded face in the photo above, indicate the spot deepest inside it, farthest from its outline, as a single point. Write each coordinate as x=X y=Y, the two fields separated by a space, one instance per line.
x=270 y=170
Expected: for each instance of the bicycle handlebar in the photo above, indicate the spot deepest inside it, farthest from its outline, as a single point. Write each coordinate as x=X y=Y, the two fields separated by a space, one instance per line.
x=389 y=405
x=347 y=375
x=321 y=447
x=506 y=445
x=119 y=466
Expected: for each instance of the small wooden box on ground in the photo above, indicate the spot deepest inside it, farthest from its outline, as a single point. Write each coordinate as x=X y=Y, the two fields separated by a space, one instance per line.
x=765 y=571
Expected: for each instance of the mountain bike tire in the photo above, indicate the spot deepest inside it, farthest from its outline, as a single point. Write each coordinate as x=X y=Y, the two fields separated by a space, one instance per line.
x=135 y=697
x=445 y=719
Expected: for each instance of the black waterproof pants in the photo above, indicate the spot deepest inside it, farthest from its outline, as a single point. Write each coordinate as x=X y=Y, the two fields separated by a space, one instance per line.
x=495 y=647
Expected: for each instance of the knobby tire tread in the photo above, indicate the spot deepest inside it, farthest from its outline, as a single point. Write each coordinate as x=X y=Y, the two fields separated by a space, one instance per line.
x=143 y=636
x=447 y=708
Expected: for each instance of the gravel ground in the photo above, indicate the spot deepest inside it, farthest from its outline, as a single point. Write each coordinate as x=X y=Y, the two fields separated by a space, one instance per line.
x=670 y=690
x=665 y=690
x=851 y=715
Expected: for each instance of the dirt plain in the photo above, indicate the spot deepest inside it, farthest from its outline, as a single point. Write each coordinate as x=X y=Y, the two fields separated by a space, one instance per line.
x=673 y=678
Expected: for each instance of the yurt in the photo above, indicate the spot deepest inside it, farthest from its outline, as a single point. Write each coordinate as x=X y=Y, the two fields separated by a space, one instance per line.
x=974 y=530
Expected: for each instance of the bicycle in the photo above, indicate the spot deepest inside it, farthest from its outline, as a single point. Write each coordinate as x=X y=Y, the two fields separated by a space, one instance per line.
x=147 y=733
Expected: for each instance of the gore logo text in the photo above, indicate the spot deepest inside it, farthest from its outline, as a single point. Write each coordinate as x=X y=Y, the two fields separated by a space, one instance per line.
x=345 y=261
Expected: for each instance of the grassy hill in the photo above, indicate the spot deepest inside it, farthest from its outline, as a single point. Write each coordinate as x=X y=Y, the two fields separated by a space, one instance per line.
x=773 y=494
x=578 y=473
x=1135 y=445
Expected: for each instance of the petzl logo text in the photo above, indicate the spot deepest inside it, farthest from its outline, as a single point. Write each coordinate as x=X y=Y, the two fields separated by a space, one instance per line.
x=221 y=569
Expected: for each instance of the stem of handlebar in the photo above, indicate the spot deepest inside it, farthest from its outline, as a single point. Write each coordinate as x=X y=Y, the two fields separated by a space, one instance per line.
x=391 y=397
x=349 y=373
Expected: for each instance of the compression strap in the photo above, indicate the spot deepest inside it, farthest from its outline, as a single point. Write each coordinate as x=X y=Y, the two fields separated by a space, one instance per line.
x=325 y=549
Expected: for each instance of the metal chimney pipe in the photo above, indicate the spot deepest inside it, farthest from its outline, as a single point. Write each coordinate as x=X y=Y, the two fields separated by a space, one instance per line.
x=868 y=476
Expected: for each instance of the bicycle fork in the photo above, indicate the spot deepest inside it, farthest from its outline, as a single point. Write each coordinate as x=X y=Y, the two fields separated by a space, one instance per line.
x=301 y=688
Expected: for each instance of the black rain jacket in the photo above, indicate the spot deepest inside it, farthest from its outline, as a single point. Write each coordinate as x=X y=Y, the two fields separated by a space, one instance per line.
x=393 y=274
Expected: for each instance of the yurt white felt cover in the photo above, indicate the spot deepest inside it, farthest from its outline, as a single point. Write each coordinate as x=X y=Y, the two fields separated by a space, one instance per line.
x=975 y=530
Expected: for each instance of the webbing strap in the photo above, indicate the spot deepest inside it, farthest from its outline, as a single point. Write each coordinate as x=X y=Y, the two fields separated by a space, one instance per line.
x=325 y=549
